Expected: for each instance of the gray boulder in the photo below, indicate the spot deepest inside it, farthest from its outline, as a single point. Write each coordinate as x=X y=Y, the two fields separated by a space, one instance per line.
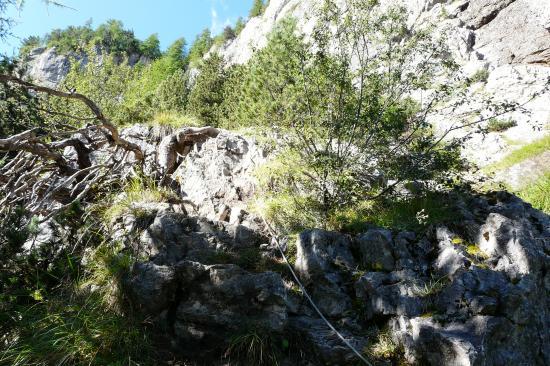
x=151 y=287
x=222 y=300
x=390 y=294
x=322 y=260
x=376 y=249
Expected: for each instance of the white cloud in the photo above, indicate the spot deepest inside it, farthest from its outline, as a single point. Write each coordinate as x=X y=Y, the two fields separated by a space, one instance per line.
x=217 y=25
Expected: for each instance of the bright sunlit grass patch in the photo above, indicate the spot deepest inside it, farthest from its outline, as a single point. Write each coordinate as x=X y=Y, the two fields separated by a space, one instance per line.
x=175 y=120
x=538 y=193
x=517 y=156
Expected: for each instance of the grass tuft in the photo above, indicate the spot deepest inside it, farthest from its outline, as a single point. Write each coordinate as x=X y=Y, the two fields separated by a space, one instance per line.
x=140 y=189
x=253 y=347
x=175 y=120
x=538 y=194
x=431 y=287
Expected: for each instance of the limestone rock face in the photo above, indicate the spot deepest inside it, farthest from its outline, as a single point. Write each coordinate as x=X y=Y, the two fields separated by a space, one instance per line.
x=218 y=176
x=47 y=67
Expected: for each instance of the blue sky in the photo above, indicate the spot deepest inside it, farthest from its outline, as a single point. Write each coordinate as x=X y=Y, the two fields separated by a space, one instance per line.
x=171 y=19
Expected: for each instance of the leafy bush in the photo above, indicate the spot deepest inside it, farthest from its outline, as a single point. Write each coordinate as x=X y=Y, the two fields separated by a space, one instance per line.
x=239 y=26
x=200 y=47
x=150 y=47
x=111 y=37
x=106 y=83
x=19 y=109
x=500 y=125
x=344 y=139
x=28 y=44
x=481 y=75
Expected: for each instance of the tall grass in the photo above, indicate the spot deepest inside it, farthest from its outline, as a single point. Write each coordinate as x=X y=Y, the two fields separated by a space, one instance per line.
x=538 y=193
x=85 y=323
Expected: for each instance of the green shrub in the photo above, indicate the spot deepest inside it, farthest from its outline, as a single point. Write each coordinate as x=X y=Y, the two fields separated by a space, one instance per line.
x=207 y=95
x=500 y=125
x=18 y=108
x=200 y=47
x=258 y=8
x=105 y=83
x=239 y=26
x=341 y=134
x=28 y=44
x=481 y=75
x=72 y=329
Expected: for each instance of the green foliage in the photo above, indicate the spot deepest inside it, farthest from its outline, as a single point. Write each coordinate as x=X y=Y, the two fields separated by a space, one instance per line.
x=531 y=150
x=28 y=44
x=18 y=108
x=72 y=38
x=229 y=33
x=207 y=95
x=481 y=75
x=72 y=330
x=385 y=348
x=258 y=8
x=158 y=87
x=172 y=93
x=106 y=83
x=115 y=39
x=500 y=125
x=253 y=347
x=200 y=47
x=538 y=193
x=175 y=120
x=111 y=37
x=128 y=94
x=431 y=287
x=348 y=130
x=137 y=190
x=239 y=26
x=150 y=47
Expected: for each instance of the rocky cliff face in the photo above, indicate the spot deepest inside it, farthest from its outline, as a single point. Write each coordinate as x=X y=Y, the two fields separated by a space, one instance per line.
x=45 y=66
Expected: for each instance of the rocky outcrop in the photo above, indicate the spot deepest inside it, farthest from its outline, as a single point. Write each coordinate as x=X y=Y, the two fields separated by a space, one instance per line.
x=474 y=292
x=218 y=176
x=46 y=67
